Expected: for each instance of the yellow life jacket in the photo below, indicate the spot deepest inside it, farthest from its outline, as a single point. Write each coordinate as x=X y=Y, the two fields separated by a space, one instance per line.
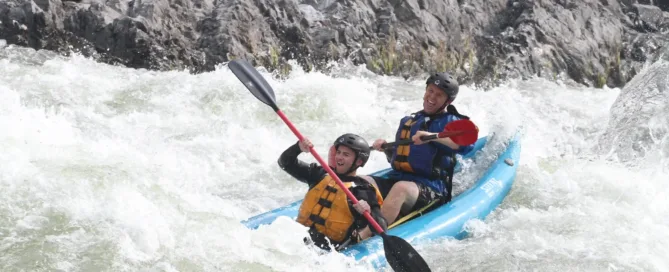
x=400 y=160
x=326 y=208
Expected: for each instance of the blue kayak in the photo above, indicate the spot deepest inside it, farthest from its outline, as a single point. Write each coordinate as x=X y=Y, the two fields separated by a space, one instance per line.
x=447 y=220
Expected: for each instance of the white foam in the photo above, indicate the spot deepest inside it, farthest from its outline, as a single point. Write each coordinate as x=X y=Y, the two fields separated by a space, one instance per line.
x=124 y=169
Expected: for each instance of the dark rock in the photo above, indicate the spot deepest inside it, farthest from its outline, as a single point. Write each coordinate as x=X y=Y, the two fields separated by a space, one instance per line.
x=646 y=18
x=592 y=42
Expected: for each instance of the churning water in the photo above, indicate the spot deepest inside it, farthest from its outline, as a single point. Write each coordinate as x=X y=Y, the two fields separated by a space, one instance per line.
x=106 y=168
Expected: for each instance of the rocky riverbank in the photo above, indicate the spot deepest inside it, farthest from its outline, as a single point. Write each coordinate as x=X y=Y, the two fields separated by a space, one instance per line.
x=593 y=42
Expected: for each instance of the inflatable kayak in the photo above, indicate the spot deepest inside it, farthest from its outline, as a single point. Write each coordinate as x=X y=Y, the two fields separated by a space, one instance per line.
x=447 y=220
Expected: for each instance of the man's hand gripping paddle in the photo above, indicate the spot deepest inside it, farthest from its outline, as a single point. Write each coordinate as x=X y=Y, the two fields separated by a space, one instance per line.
x=461 y=132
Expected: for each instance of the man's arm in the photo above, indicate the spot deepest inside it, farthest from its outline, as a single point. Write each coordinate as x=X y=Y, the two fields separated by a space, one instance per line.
x=307 y=173
x=442 y=143
x=460 y=149
x=447 y=142
x=368 y=194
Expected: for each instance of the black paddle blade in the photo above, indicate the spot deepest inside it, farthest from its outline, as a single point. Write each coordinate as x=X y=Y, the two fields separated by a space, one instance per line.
x=253 y=81
x=401 y=256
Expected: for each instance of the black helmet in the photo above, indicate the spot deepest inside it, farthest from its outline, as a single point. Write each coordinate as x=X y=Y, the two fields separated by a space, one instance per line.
x=357 y=143
x=446 y=83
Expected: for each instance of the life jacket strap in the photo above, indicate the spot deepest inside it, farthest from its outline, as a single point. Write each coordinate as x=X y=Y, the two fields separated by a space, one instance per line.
x=316 y=219
x=452 y=110
x=331 y=189
x=325 y=203
x=448 y=180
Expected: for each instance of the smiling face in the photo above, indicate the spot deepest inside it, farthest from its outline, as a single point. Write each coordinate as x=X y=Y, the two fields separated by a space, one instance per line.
x=344 y=159
x=434 y=99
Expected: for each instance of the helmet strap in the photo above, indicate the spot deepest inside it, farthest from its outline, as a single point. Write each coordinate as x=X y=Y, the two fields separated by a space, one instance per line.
x=354 y=165
x=443 y=107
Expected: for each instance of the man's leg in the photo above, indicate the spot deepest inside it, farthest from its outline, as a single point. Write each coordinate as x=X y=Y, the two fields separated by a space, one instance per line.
x=402 y=197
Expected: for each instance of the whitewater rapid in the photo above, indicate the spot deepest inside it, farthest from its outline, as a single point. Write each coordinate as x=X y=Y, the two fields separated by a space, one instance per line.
x=105 y=168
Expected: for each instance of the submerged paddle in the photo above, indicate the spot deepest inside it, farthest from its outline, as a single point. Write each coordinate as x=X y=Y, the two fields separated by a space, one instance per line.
x=462 y=132
x=399 y=253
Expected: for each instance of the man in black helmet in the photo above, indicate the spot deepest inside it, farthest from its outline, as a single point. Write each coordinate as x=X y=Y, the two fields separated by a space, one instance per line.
x=326 y=209
x=422 y=171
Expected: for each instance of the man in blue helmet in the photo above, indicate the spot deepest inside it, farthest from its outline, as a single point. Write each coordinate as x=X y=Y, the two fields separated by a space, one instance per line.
x=422 y=171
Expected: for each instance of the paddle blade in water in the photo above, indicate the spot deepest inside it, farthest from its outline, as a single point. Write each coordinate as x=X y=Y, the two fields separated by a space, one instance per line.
x=401 y=256
x=253 y=81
